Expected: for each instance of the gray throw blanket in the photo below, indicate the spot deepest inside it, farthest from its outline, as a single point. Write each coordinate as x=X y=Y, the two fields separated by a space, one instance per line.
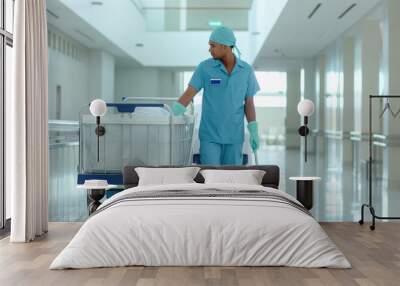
x=206 y=194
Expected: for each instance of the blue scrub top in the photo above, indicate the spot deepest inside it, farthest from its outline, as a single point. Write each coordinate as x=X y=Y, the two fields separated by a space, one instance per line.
x=222 y=119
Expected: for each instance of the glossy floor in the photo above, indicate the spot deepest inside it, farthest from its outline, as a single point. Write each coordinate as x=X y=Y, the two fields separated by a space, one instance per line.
x=343 y=187
x=338 y=196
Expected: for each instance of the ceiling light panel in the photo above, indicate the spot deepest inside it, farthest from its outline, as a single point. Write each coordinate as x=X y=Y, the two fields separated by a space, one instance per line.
x=347 y=10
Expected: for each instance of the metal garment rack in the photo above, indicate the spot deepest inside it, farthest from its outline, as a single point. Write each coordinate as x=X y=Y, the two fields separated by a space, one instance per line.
x=369 y=205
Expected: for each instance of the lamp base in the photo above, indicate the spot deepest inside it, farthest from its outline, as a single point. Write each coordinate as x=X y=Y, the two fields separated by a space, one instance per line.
x=303 y=130
x=100 y=130
x=95 y=195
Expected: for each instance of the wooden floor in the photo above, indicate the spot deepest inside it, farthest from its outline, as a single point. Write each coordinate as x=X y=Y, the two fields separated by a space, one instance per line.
x=375 y=257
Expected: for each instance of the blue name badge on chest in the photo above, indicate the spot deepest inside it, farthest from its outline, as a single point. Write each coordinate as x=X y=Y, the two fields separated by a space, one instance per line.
x=215 y=81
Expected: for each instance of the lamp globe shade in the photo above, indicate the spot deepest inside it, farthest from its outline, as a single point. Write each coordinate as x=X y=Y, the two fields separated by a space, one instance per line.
x=305 y=107
x=98 y=107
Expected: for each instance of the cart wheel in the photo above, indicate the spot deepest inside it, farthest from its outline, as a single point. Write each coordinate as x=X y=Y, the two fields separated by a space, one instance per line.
x=361 y=222
x=372 y=227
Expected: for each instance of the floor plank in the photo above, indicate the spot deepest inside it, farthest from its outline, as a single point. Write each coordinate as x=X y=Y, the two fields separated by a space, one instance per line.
x=375 y=257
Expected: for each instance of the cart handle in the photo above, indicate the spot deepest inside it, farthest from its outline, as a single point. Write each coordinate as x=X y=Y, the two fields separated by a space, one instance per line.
x=130 y=107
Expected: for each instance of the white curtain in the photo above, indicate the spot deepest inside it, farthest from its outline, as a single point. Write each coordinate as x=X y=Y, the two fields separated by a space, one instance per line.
x=26 y=123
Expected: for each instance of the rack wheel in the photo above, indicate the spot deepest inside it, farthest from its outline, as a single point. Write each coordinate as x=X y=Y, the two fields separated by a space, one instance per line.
x=372 y=227
x=361 y=222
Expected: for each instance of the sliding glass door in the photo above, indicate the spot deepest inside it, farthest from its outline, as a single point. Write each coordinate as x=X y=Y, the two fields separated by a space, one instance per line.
x=6 y=43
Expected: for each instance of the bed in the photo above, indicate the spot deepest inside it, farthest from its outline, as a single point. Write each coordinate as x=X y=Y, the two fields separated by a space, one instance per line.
x=198 y=224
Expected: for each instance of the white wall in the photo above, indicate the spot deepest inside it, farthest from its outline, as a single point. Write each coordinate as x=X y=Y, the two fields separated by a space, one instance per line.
x=79 y=73
x=69 y=69
x=156 y=20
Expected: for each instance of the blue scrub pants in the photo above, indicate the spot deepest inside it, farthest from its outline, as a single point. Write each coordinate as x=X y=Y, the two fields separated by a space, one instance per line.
x=220 y=154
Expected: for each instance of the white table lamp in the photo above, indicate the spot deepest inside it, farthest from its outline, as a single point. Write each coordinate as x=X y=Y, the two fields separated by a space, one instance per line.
x=98 y=108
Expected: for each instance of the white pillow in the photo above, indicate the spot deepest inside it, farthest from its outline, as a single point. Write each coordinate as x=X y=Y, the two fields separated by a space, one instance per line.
x=163 y=176
x=248 y=177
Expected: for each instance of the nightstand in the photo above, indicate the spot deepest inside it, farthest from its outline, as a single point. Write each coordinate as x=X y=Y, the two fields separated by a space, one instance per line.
x=95 y=193
x=304 y=190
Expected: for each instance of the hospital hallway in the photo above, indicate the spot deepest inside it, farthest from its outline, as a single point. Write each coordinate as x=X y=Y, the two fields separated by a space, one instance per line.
x=332 y=53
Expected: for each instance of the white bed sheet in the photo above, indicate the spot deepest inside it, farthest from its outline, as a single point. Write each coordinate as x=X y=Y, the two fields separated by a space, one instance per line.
x=193 y=231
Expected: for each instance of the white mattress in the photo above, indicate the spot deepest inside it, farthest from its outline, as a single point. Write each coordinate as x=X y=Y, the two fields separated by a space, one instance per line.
x=200 y=231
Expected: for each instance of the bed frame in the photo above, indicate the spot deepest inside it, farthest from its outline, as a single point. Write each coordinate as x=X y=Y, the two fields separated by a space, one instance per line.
x=270 y=179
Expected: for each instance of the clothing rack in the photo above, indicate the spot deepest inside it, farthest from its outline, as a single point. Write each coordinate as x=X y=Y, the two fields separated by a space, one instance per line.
x=369 y=205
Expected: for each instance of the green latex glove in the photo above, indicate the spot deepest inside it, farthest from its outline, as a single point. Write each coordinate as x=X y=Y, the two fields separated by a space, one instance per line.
x=178 y=109
x=254 y=139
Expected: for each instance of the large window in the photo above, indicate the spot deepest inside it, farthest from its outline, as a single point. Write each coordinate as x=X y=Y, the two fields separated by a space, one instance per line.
x=270 y=103
x=272 y=89
x=6 y=43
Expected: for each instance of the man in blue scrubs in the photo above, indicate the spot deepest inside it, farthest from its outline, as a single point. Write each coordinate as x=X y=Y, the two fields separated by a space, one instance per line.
x=229 y=86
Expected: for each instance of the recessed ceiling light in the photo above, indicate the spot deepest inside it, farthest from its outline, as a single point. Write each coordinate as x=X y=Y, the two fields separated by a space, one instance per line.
x=84 y=35
x=97 y=3
x=347 y=10
x=139 y=45
x=52 y=14
x=314 y=10
x=279 y=52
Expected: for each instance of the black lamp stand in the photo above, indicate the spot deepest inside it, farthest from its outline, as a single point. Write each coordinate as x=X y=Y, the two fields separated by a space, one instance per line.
x=100 y=131
x=304 y=131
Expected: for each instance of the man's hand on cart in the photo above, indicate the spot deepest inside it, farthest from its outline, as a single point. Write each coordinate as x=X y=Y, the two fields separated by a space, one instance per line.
x=254 y=138
x=178 y=109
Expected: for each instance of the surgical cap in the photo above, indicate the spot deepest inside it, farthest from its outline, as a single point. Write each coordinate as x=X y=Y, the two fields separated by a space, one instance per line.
x=224 y=36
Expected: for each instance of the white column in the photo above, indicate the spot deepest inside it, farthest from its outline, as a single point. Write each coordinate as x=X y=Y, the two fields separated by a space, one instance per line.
x=292 y=116
x=309 y=87
x=101 y=75
x=366 y=77
x=333 y=103
x=310 y=93
x=320 y=102
x=391 y=59
x=390 y=70
x=182 y=15
x=347 y=104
